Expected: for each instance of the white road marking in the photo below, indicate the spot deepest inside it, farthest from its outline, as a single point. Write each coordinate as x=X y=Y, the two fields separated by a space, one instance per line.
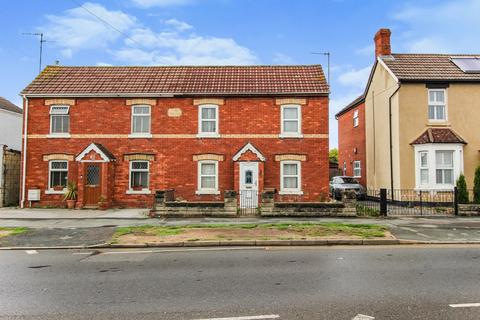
x=31 y=251
x=465 y=305
x=261 y=317
x=363 y=317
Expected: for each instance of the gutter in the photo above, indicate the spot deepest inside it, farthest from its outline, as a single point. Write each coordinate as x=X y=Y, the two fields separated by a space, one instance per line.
x=390 y=133
x=170 y=95
x=24 y=151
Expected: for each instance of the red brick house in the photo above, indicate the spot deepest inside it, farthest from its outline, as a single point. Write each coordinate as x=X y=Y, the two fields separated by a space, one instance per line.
x=351 y=140
x=123 y=133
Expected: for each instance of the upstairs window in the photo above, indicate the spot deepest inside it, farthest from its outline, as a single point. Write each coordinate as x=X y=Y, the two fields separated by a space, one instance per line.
x=59 y=119
x=208 y=120
x=58 y=174
x=141 y=119
x=437 y=104
x=139 y=175
x=291 y=120
x=355 y=118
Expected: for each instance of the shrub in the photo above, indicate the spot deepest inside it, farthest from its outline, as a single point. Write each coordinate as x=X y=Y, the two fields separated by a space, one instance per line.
x=476 y=186
x=462 y=189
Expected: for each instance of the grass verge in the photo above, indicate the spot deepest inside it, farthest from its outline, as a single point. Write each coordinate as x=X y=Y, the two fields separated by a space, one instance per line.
x=11 y=231
x=269 y=231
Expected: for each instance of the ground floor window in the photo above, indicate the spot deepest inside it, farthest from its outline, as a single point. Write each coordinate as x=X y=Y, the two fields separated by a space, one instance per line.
x=139 y=175
x=438 y=165
x=58 y=175
x=290 y=177
x=207 y=177
x=357 y=169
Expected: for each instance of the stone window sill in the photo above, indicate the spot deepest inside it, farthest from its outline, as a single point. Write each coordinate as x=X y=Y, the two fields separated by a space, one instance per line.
x=59 y=135
x=145 y=191
x=200 y=192
x=295 y=193
x=140 y=135
x=290 y=135
x=51 y=191
x=208 y=135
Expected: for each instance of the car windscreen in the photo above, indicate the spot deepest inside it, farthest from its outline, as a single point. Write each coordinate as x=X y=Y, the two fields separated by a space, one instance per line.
x=348 y=180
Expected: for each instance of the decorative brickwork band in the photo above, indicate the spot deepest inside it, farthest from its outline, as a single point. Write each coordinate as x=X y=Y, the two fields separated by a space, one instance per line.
x=219 y=102
x=208 y=156
x=70 y=102
x=138 y=156
x=179 y=136
x=150 y=102
x=290 y=101
x=58 y=156
x=296 y=157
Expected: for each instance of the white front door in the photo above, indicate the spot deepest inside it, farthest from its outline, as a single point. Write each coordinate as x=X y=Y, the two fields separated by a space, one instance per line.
x=248 y=184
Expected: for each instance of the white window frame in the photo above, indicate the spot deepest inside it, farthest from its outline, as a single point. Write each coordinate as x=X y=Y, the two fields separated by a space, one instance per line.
x=294 y=191
x=437 y=104
x=201 y=190
x=132 y=115
x=50 y=189
x=355 y=168
x=131 y=170
x=52 y=114
x=423 y=168
x=202 y=134
x=355 y=118
x=344 y=171
x=431 y=149
x=297 y=134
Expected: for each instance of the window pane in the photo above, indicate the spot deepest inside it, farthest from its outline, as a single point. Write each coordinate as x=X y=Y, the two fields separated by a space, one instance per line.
x=289 y=169
x=58 y=178
x=423 y=159
x=431 y=112
x=140 y=165
x=444 y=159
x=440 y=112
x=208 y=169
x=439 y=176
x=431 y=96
x=424 y=176
x=93 y=175
x=141 y=110
x=290 y=182
x=440 y=96
x=207 y=182
x=290 y=113
x=141 y=124
x=139 y=179
x=248 y=176
x=59 y=165
x=290 y=126
x=448 y=176
x=208 y=126
x=208 y=113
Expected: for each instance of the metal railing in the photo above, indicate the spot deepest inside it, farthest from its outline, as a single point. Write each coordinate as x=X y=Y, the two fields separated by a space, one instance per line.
x=248 y=203
x=408 y=202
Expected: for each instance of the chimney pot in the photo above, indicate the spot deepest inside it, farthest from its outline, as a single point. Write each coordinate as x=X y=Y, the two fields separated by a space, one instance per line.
x=382 y=42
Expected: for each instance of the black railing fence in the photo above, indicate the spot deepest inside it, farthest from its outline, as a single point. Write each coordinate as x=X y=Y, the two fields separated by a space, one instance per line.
x=408 y=202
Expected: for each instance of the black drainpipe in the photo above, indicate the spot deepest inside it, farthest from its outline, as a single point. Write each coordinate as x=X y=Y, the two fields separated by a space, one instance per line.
x=391 y=143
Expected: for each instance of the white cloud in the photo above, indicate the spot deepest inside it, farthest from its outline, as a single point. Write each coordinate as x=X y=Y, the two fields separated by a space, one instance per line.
x=355 y=78
x=178 y=25
x=78 y=29
x=281 y=58
x=176 y=43
x=159 y=3
x=449 y=27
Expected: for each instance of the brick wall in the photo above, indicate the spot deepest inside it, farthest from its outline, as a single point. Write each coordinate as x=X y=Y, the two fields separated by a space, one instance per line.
x=352 y=138
x=108 y=122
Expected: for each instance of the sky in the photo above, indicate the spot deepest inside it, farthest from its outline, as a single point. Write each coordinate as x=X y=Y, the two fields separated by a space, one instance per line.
x=229 y=32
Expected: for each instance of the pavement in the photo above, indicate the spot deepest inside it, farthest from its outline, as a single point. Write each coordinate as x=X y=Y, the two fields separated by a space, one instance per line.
x=394 y=282
x=62 y=227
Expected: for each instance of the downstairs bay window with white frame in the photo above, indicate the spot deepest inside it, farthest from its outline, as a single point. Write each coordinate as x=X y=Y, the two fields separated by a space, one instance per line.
x=57 y=176
x=291 y=177
x=59 y=121
x=139 y=180
x=207 y=177
x=291 y=121
x=141 y=121
x=208 y=121
x=437 y=166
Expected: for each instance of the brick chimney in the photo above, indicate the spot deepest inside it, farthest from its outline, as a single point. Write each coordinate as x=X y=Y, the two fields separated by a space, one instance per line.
x=382 y=42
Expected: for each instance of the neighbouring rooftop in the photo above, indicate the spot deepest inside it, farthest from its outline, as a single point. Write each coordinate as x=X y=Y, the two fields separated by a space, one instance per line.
x=179 y=80
x=7 y=105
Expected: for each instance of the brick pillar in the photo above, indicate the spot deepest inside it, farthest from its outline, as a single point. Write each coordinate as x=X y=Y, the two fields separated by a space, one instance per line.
x=230 y=202
x=80 y=184
x=268 y=200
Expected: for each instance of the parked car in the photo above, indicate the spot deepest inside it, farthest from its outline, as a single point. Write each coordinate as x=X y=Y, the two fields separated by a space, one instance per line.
x=343 y=183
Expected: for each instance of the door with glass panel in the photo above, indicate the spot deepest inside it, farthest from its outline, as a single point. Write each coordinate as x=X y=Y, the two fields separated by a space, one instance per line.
x=248 y=185
x=92 y=184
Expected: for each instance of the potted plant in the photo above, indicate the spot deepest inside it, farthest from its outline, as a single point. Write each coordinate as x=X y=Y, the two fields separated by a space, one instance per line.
x=71 y=194
x=102 y=204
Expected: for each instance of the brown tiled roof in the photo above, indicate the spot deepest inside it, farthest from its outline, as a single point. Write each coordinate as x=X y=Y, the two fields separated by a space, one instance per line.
x=429 y=67
x=7 y=105
x=229 y=80
x=439 y=135
x=351 y=105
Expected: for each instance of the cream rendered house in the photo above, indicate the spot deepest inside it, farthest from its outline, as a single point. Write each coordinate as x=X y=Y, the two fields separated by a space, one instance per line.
x=422 y=119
